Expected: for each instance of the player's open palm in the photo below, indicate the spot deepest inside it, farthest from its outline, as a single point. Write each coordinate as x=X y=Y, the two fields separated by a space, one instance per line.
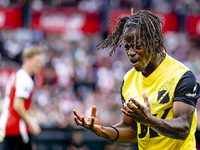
x=90 y=123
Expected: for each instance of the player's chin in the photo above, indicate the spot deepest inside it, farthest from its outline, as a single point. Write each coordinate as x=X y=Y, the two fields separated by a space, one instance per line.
x=139 y=68
x=37 y=70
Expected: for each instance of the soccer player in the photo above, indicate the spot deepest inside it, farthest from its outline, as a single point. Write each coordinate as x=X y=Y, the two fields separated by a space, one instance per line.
x=159 y=94
x=15 y=121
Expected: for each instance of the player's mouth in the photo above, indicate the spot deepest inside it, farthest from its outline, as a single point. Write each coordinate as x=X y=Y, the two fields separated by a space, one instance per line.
x=134 y=62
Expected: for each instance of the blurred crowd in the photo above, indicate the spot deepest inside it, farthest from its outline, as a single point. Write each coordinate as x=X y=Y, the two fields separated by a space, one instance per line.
x=178 y=6
x=76 y=75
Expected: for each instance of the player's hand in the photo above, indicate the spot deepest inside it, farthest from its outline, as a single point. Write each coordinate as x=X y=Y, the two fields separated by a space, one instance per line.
x=2 y=135
x=91 y=123
x=34 y=128
x=140 y=113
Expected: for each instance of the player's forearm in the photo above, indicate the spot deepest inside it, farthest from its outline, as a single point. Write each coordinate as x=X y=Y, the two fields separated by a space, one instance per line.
x=23 y=114
x=174 y=128
x=126 y=133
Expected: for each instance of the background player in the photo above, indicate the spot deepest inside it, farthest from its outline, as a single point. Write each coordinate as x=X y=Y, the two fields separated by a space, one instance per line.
x=15 y=120
x=163 y=90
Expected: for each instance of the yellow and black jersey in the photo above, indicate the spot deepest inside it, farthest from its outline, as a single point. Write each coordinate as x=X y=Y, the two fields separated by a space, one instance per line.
x=170 y=82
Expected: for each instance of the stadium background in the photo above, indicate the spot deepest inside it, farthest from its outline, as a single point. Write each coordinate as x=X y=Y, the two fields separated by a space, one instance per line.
x=78 y=76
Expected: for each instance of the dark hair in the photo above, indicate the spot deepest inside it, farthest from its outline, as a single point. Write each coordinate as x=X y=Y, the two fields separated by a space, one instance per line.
x=148 y=27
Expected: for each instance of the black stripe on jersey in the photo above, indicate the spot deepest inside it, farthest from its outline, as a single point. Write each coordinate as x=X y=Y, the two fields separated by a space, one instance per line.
x=187 y=89
x=122 y=97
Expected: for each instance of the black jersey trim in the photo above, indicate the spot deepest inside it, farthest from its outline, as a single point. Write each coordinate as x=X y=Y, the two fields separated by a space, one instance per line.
x=122 y=97
x=187 y=89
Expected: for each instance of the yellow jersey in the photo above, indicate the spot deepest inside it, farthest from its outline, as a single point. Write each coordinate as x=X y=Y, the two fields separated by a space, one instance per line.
x=171 y=81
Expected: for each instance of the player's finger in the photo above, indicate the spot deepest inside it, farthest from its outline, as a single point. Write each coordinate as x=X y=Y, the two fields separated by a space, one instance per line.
x=133 y=115
x=92 y=123
x=146 y=101
x=130 y=108
x=76 y=114
x=135 y=109
x=93 y=112
x=84 y=122
x=126 y=113
x=126 y=108
x=77 y=121
x=139 y=106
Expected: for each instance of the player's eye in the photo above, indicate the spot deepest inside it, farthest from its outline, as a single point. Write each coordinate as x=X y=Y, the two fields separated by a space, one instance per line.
x=127 y=47
x=138 y=47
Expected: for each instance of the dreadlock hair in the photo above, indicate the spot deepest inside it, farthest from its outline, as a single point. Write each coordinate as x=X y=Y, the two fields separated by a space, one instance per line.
x=148 y=27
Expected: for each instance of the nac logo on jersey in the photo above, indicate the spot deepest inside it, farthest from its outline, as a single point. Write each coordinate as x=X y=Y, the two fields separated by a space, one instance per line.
x=163 y=97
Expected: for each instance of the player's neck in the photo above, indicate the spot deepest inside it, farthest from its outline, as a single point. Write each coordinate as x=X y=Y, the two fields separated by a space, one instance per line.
x=27 y=69
x=151 y=67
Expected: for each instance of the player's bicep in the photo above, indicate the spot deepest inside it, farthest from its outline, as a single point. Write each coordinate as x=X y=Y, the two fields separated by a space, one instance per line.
x=184 y=111
x=127 y=130
x=128 y=121
x=18 y=103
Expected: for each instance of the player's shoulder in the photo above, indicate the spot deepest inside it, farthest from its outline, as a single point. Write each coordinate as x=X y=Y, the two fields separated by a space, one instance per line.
x=23 y=76
x=22 y=72
x=175 y=68
x=176 y=64
x=130 y=72
x=188 y=81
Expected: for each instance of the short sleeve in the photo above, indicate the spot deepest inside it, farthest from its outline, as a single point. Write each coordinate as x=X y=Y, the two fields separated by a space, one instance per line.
x=24 y=86
x=122 y=97
x=187 y=89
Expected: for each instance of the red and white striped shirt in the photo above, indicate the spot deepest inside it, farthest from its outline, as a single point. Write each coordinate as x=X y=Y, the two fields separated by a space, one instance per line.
x=19 y=85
